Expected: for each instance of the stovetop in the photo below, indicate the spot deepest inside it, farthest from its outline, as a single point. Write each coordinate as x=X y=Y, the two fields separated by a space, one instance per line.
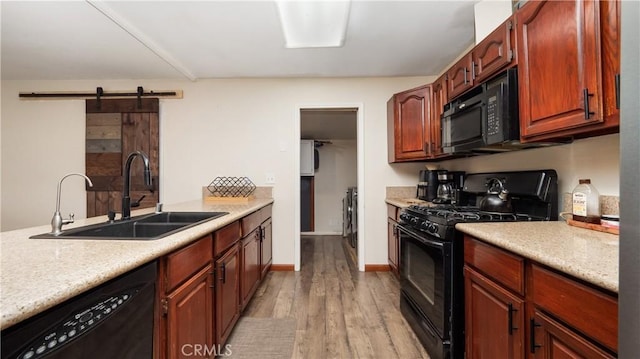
x=440 y=220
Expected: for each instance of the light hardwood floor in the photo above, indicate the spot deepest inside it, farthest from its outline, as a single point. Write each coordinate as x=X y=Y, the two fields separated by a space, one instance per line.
x=340 y=312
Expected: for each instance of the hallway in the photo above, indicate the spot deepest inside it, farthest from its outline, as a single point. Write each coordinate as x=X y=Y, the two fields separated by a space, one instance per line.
x=340 y=312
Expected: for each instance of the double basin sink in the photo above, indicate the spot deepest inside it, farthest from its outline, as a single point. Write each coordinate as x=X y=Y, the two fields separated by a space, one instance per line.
x=146 y=227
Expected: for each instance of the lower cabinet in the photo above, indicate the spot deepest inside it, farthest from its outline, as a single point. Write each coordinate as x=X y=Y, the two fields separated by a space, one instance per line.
x=186 y=315
x=494 y=319
x=189 y=315
x=516 y=308
x=552 y=340
x=393 y=239
x=251 y=270
x=227 y=292
x=203 y=287
x=266 y=245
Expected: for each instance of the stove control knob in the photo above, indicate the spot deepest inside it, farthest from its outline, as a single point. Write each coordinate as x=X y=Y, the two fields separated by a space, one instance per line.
x=433 y=228
x=414 y=220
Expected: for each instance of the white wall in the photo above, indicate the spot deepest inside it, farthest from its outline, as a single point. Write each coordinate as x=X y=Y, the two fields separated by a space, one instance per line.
x=489 y=14
x=232 y=127
x=337 y=172
x=597 y=158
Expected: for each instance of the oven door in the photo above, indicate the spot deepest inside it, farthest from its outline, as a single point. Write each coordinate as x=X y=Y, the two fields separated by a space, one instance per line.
x=462 y=125
x=425 y=272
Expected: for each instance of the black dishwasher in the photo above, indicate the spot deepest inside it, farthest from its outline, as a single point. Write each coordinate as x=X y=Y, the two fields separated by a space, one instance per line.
x=114 y=320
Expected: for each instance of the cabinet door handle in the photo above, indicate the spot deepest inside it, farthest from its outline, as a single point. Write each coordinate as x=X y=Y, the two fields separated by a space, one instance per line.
x=617 y=78
x=511 y=310
x=586 y=96
x=223 y=270
x=532 y=336
x=465 y=75
x=473 y=66
x=213 y=279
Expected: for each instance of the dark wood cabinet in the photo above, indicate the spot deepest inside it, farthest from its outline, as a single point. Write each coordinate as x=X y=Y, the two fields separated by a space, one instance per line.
x=494 y=319
x=189 y=318
x=516 y=307
x=204 y=286
x=251 y=270
x=459 y=76
x=227 y=293
x=186 y=299
x=552 y=340
x=492 y=54
x=610 y=50
x=409 y=125
x=560 y=68
x=438 y=100
x=266 y=245
x=393 y=239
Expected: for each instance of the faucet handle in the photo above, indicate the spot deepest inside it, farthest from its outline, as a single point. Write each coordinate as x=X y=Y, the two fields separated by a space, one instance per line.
x=72 y=218
x=137 y=203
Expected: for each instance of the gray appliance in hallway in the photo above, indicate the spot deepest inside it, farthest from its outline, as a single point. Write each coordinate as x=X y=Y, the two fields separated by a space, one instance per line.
x=350 y=216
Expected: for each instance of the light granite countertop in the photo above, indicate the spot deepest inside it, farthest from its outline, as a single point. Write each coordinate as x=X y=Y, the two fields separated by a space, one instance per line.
x=585 y=254
x=37 y=274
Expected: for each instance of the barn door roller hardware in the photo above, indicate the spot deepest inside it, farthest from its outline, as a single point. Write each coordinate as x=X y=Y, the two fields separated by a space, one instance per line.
x=99 y=94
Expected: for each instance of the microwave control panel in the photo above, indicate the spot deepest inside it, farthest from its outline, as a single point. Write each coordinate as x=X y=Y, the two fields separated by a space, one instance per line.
x=493 y=116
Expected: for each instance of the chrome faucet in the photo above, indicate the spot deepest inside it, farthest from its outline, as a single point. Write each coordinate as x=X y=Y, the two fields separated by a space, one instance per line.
x=126 y=200
x=57 y=221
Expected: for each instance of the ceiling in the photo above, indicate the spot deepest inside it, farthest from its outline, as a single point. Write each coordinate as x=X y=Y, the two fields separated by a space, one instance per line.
x=73 y=40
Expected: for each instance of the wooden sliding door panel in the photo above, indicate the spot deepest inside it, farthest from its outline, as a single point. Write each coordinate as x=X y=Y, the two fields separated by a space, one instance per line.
x=114 y=129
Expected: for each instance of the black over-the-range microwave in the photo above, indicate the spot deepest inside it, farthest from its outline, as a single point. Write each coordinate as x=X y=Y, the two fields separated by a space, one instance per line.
x=485 y=119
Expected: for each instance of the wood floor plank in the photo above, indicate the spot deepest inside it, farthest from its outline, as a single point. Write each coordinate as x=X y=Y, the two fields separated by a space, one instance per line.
x=339 y=311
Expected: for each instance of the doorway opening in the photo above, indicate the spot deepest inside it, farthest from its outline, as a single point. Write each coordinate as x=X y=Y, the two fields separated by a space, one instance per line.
x=330 y=198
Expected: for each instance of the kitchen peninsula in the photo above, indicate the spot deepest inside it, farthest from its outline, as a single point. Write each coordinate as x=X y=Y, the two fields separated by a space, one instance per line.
x=38 y=274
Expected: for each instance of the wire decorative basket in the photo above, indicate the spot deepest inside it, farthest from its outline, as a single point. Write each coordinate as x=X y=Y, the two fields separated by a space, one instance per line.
x=231 y=187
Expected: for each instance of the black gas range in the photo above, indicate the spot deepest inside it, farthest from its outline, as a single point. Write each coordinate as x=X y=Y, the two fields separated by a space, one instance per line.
x=431 y=249
x=439 y=220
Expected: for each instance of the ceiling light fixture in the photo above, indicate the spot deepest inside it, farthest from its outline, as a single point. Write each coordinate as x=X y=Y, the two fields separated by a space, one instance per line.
x=314 y=23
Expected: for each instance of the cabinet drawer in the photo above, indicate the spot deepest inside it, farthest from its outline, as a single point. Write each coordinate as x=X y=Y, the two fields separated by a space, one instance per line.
x=590 y=311
x=183 y=263
x=251 y=222
x=496 y=263
x=393 y=212
x=225 y=237
x=265 y=213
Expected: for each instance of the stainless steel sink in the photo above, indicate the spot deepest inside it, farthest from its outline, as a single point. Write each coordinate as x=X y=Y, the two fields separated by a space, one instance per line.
x=147 y=227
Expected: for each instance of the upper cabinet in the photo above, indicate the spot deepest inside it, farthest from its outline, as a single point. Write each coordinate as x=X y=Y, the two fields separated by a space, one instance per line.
x=409 y=125
x=491 y=55
x=495 y=52
x=568 y=59
x=561 y=68
x=460 y=76
x=438 y=100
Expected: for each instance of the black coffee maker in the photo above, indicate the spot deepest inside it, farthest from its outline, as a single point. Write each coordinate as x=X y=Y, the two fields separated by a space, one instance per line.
x=450 y=184
x=428 y=185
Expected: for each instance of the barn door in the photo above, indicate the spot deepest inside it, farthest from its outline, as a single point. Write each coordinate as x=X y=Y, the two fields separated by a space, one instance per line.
x=114 y=129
